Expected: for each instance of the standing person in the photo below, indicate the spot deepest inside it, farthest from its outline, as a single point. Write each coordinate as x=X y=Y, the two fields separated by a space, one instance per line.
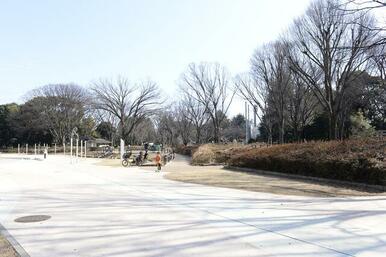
x=158 y=161
x=45 y=153
x=146 y=146
x=145 y=155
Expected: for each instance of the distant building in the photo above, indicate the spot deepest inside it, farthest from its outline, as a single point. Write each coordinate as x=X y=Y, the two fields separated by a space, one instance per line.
x=98 y=142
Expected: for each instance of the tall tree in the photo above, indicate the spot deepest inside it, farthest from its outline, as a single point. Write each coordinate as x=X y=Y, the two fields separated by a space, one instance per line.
x=129 y=103
x=270 y=67
x=256 y=92
x=328 y=48
x=302 y=107
x=183 y=122
x=196 y=113
x=62 y=108
x=208 y=84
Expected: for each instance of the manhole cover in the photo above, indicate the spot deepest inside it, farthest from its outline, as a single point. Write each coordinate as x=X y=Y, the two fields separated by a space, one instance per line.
x=32 y=218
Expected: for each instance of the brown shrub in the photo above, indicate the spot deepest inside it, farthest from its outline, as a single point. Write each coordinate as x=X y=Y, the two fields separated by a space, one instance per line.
x=360 y=160
x=186 y=150
x=213 y=154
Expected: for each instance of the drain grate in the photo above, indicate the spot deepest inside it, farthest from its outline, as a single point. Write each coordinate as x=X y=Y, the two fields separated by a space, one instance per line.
x=32 y=218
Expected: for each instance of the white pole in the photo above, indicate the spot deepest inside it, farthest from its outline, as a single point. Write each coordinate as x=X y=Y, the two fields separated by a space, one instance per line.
x=55 y=148
x=85 y=149
x=246 y=122
x=71 y=148
x=26 y=149
x=35 y=149
x=122 y=148
x=64 y=148
x=77 y=143
x=39 y=148
x=81 y=148
x=18 y=148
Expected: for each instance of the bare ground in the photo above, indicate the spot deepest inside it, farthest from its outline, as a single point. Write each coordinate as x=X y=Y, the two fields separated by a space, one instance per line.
x=181 y=170
x=6 y=250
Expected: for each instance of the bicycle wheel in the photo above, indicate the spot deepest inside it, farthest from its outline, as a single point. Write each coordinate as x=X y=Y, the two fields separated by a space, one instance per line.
x=125 y=163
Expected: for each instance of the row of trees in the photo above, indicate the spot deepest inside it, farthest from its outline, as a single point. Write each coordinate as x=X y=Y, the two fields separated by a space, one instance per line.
x=111 y=110
x=322 y=77
x=330 y=63
x=327 y=70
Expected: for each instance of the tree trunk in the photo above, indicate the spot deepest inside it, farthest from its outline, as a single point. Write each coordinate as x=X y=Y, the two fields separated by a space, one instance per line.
x=216 y=135
x=198 y=135
x=332 y=132
x=281 y=131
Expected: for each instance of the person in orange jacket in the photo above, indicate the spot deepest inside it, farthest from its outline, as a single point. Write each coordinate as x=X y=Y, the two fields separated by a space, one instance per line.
x=158 y=161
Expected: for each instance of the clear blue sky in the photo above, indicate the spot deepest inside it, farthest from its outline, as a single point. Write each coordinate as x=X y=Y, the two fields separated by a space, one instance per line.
x=61 y=41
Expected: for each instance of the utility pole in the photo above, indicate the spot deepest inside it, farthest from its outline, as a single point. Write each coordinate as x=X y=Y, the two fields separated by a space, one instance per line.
x=246 y=122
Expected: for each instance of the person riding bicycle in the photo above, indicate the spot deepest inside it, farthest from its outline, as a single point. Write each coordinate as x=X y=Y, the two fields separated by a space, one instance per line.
x=126 y=158
x=127 y=155
x=139 y=158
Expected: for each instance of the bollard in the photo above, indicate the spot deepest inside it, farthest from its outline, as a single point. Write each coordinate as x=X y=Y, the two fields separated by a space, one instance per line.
x=77 y=143
x=26 y=149
x=81 y=148
x=85 y=149
x=71 y=148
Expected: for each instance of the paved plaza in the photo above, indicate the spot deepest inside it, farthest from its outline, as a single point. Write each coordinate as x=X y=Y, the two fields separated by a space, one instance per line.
x=97 y=211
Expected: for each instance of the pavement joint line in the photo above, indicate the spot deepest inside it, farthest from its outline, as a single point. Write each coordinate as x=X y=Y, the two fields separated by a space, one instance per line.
x=226 y=218
x=14 y=243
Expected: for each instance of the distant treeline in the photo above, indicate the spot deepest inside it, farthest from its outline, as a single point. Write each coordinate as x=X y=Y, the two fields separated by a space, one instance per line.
x=324 y=78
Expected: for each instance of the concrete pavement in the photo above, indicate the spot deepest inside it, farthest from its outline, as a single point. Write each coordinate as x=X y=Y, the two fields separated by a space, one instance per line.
x=105 y=211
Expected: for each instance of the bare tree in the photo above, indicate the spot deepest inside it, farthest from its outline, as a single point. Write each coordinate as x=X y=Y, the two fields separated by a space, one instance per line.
x=302 y=108
x=144 y=132
x=378 y=61
x=329 y=50
x=270 y=67
x=362 y=5
x=256 y=93
x=183 y=122
x=102 y=116
x=130 y=104
x=196 y=113
x=166 y=126
x=208 y=84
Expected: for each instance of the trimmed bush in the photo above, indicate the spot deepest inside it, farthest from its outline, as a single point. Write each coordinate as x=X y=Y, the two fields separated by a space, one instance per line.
x=360 y=160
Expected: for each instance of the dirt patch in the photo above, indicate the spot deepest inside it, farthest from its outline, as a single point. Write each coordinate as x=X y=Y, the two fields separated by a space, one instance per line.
x=181 y=170
x=6 y=250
